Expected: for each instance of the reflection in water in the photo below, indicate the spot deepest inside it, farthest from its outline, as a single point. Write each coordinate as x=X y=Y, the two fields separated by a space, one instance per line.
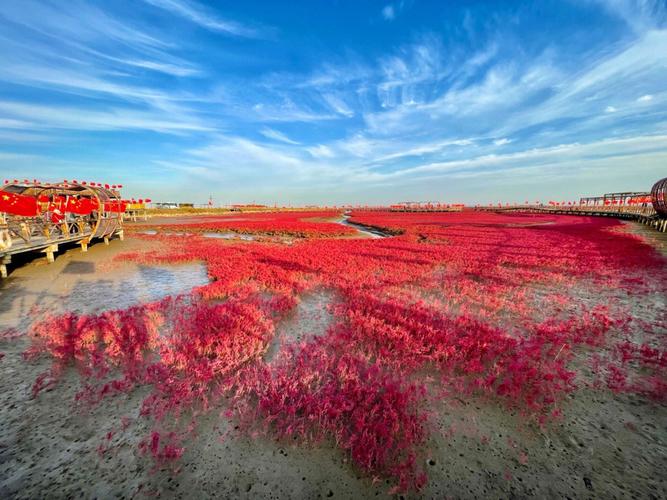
x=373 y=233
x=143 y=284
x=230 y=236
x=224 y=236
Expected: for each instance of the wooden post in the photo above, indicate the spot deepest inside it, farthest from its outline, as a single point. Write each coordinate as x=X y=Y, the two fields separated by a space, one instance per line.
x=3 y=265
x=25 y=231
x=121 y=235
x=50 y=251
x=84 y=246
x=106 y=240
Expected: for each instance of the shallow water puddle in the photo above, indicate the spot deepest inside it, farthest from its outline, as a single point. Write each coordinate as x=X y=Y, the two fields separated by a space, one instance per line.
x=229 y=236
x=133 y=286
x=223 y=236
x=373 y=233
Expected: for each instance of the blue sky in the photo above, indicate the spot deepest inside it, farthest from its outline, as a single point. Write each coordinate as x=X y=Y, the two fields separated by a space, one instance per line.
x=336 y=101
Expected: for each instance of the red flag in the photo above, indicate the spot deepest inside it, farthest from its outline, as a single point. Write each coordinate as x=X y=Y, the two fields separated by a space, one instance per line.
x=18 y=204
x=115 y=206
x=80 y=206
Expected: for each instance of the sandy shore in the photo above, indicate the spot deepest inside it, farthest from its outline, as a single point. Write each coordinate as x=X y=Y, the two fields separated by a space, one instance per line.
x=606 y=446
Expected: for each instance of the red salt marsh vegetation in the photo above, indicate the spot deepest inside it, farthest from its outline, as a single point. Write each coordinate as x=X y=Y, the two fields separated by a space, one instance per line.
x=302 y=224
x=514 y=312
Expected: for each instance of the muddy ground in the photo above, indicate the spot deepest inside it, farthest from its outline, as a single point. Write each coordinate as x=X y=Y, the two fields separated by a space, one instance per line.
x=606 y=446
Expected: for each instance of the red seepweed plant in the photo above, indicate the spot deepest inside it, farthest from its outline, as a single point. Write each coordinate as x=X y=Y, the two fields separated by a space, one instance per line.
x=313 y=224
x=502 y=306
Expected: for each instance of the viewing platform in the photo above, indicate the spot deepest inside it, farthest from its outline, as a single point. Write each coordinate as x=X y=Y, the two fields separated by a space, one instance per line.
x=648 y=208
x=41 y=217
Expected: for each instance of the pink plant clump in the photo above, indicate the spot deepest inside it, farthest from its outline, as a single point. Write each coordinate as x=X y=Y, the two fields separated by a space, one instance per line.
x=499 y=306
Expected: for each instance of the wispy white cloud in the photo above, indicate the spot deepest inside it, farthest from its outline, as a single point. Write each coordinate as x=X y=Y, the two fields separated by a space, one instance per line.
x=199 y=15
x=390 y=11
x=6 y=156
x=77 y=118
x=276 y=135
x=79 y=82
x=284 y=111
x=562 y=154
x=162 y=67
x=10 y=136
x=640 y=15
x=502 y=142
x=321 y=151
x=391 y=150
x=76 y=20
x=338 y=105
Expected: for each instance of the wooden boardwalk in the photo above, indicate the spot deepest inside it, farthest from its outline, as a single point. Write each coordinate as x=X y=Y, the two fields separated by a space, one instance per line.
x=39 y=217
x=643 y=214
x=46 y=238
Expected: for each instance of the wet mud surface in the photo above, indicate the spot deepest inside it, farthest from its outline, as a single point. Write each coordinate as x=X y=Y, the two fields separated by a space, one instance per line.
x=649 y=234
x=311 y=318
x=90 y=282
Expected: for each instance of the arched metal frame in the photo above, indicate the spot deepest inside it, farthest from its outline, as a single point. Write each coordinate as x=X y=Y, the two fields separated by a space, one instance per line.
x=100 y=224
x=659 y=197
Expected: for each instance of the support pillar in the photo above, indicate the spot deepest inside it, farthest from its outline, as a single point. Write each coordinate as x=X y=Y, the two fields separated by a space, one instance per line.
x=50 y=253
x=106 y=240
x=84 y=246
x=3 y=265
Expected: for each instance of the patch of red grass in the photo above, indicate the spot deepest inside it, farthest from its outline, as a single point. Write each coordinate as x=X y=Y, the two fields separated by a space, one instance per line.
x=296 y=224
x=501 y=306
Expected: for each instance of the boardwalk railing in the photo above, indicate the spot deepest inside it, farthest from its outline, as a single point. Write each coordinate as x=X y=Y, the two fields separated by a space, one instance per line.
x=19 y=235
x=644 y=214
x=41 y=216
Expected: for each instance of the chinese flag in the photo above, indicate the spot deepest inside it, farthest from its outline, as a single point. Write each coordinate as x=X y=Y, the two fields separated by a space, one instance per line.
x=80 y=206
x=18 y=204
x=115 y=206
